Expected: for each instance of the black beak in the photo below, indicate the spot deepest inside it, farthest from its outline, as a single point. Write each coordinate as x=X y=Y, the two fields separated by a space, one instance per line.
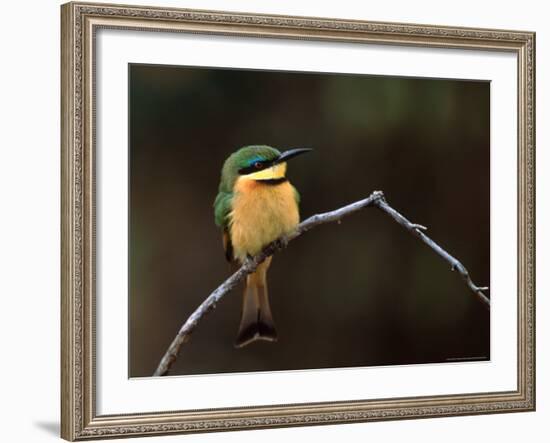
x=291 y=153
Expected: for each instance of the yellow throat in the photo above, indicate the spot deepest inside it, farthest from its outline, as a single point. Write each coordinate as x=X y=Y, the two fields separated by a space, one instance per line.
x=276 y=171
x=262 y=212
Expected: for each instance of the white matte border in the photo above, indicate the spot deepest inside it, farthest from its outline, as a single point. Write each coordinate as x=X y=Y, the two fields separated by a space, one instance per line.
x=116 y=394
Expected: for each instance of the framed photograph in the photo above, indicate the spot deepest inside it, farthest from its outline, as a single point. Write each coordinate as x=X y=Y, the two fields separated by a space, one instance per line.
x=281 y=221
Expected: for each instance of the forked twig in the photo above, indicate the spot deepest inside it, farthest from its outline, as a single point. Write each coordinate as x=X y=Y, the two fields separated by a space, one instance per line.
x=375 y=199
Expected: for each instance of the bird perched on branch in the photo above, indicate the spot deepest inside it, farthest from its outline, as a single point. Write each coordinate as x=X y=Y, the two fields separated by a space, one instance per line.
x=255 y=205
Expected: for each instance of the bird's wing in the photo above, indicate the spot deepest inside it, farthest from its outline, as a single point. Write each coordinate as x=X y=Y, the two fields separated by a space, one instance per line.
x=222 y=209
x=227 y=246
x=296 y=196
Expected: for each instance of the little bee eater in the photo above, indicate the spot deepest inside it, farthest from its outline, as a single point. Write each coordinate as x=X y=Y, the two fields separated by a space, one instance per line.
x=255 y=205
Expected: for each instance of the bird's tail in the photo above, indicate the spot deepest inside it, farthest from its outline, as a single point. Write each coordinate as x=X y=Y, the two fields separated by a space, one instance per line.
x=256 y=319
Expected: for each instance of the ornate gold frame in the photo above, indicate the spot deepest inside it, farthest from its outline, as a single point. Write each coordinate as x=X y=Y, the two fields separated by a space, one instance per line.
x=80 y=21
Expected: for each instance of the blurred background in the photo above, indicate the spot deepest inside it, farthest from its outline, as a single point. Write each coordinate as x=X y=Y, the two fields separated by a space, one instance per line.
x=362 y=293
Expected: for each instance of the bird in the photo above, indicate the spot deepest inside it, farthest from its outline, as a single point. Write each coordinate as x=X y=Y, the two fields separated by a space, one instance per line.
x=256 y=204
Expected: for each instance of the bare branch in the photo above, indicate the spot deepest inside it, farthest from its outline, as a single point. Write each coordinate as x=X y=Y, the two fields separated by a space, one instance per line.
x=375 y=199
x=417 y=230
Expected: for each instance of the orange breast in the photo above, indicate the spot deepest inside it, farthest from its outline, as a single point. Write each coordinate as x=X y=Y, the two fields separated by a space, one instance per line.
x=261 y=213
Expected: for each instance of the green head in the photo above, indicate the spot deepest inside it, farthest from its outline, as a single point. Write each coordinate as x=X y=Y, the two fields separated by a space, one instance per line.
x=258 y=162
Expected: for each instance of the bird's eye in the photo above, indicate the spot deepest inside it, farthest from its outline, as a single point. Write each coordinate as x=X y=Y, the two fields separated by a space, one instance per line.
x=258 y=165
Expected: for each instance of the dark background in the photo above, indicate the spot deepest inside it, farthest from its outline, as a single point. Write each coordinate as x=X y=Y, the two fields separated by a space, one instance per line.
x=361 y=293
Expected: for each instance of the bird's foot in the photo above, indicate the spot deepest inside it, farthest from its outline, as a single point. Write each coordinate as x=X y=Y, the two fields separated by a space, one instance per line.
x=281 y=243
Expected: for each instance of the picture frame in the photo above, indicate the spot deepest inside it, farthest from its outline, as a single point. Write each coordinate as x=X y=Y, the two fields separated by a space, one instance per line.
x=80 y=178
